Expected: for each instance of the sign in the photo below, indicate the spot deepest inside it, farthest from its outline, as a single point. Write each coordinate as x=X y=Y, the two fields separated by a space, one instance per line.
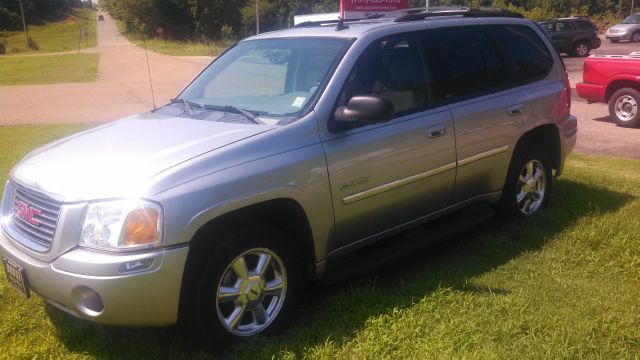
x=360 y=9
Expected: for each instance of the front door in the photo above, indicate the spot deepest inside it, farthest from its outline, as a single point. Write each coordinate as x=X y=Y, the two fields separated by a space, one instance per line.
x=385 y=175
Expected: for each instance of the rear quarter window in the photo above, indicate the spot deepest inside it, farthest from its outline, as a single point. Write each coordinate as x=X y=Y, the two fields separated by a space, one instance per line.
x=526 y=57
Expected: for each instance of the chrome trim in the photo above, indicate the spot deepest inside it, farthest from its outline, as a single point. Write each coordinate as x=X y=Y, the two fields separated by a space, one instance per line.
x=395 y=184
x=483 y=155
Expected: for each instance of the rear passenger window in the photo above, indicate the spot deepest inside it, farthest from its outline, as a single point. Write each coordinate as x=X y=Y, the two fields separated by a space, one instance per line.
x=460 y=56
x=526 y=57
x=585 y=25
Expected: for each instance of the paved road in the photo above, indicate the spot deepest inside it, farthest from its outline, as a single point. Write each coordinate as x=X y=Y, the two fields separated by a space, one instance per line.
x=597 y=134
x=122 y=87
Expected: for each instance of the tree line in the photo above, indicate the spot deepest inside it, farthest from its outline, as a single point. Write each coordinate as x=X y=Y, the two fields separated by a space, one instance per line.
x=208 y=20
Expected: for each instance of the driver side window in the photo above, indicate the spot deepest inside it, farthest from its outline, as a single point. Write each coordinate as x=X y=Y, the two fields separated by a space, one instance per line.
x=392 y=67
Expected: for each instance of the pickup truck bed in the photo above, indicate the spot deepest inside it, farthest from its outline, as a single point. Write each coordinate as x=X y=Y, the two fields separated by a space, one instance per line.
x=614 y=79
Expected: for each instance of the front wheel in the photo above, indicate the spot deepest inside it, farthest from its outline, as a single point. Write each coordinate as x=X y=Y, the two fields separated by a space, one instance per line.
x=635 y=37
x=528 y=183
x=581 y=49
x=623 y=107
x=248 y=286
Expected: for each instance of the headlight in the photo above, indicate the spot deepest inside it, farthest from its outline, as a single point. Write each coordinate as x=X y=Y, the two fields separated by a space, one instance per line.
x=122 y=225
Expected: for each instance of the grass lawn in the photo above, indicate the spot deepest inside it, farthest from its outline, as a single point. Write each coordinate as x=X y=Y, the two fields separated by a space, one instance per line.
x=175 y=47
x=564 y=284
x=31 y=70
x=58 y=33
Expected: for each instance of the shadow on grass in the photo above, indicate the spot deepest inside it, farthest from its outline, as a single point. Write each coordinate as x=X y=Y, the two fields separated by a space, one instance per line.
x=335 y=312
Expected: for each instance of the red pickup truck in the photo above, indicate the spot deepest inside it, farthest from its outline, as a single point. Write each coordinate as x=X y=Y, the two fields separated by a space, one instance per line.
x=614 y=79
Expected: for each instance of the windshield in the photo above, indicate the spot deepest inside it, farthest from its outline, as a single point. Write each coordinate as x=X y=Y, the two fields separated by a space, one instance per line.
x=271 y=78
x=633 y=19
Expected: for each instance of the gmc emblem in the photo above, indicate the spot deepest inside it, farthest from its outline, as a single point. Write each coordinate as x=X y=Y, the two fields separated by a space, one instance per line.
x=27 y=213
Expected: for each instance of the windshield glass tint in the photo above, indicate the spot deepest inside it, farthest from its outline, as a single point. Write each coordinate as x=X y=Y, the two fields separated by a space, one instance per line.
x=633 y=19
x=273 y=77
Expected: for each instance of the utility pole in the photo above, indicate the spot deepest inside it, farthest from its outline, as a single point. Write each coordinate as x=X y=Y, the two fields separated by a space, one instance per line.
x=632 y=7
x=24 y=25
x=257 y=16
x=427 y=6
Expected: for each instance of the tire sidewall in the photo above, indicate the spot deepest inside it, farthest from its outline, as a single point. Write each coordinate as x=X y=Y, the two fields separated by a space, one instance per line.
x=635 y=37
x=206 y=325
x=614 y=98
x=524 y=153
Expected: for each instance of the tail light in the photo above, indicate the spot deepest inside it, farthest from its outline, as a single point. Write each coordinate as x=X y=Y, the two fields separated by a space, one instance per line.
x=562 y=106
x=567 y=89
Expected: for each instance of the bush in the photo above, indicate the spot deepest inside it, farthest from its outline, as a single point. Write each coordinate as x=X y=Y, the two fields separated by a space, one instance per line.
x=32 y=44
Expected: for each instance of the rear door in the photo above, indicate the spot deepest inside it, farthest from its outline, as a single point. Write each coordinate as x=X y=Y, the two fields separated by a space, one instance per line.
x=489 y=111
x=563 y=35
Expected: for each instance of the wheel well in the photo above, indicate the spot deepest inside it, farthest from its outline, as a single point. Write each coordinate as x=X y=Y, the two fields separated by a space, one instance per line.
x=285 y=214
x=546 y=136
x=619 y=84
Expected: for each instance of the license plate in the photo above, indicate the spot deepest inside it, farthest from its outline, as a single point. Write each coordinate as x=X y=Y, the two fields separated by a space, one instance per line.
x=16 y=277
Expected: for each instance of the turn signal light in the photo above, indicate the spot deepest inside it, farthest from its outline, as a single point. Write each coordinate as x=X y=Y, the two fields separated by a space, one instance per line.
x=141 y=227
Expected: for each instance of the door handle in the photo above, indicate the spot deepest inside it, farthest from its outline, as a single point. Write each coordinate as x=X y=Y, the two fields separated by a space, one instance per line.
x=515 y=110
x=436 y=131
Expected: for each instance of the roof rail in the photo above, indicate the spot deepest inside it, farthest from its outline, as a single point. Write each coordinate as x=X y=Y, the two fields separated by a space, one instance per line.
x=475 y=13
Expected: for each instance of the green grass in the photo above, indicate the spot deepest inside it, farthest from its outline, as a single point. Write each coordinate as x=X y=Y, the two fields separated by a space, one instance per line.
x=174 y=47
x=31 y=70
x=59 y=33
x=564 y=284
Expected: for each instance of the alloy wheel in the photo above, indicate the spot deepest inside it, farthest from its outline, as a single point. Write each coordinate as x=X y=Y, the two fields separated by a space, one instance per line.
x=251 y=292
x=626 y=107
x=531 y=187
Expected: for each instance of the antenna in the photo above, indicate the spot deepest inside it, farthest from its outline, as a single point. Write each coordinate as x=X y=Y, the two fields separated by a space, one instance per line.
x=146 y=54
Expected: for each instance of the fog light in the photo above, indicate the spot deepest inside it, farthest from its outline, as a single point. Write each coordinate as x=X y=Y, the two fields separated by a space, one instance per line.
x=87 y=300
x=136 y=265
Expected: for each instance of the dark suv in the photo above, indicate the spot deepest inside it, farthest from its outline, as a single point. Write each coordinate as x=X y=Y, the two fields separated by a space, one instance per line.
x=575 y=36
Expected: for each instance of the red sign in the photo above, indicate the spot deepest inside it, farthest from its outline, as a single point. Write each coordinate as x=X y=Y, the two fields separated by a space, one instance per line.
x=360 y=9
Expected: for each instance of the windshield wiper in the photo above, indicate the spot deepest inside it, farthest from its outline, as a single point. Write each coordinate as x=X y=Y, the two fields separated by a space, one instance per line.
x=236 y=110
x=187 y=105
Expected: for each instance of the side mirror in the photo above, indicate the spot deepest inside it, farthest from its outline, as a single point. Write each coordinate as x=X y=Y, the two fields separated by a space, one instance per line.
x=365 y=109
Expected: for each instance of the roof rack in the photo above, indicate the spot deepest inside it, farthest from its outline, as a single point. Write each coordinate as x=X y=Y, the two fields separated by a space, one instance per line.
x=475 y=13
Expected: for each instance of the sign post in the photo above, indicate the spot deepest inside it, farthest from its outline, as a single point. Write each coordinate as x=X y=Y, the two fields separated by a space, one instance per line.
x=360 y=9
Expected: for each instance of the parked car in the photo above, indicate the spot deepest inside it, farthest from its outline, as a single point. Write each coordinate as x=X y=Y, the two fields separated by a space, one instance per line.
x=575 y=36
x=614 y=79
x=290 y=153
x=629 y=29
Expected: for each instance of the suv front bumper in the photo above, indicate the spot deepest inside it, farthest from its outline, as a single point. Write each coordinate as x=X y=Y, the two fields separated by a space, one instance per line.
x=101 y=293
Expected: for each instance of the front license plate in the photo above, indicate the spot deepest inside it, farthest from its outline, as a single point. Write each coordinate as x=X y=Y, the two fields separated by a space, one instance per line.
x=16 y=276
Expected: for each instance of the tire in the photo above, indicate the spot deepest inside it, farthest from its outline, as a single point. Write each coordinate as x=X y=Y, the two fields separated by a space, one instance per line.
x=581 y=49
x=528 y=184
x=624 y=107
x=635 y=37
x=614 y=40
x=232 y=301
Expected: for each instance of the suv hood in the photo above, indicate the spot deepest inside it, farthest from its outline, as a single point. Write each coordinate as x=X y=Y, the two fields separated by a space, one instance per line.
x=117 y=159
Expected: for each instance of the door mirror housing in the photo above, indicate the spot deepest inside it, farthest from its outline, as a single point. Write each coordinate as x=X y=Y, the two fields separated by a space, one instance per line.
x=365 y=110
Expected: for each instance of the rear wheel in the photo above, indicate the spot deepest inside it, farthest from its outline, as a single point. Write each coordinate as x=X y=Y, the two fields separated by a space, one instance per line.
x=528 y=183
x=581 y=49
x=248 y=287
x=623 y=107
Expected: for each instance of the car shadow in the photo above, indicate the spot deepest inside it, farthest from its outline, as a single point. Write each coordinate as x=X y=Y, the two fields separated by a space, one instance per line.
x=448 y=264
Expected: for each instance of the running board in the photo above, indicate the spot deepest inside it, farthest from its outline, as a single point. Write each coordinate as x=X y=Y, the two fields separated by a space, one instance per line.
x=365 y=260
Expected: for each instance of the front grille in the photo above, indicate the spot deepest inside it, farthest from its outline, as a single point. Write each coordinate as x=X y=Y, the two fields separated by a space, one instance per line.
x=35 y=215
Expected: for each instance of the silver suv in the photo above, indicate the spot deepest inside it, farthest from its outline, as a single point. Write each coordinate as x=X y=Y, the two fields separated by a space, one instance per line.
x=289 y=152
